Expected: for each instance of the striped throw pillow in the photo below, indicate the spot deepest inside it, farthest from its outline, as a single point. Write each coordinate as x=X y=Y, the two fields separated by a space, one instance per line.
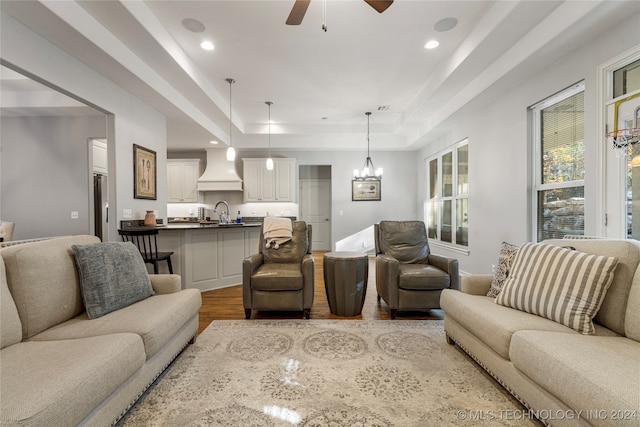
x=560 y=284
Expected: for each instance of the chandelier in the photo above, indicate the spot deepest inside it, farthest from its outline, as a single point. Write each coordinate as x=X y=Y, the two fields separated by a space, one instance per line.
x=369 y=171
x=231 y=152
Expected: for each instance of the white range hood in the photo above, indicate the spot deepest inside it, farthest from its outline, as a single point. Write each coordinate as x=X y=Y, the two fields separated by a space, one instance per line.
x=220 y=174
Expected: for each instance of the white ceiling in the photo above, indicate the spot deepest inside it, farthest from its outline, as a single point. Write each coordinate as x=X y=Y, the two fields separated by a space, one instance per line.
x=320 y=83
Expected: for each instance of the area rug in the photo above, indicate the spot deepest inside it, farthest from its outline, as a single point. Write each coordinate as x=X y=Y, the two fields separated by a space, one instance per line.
x=318 y=373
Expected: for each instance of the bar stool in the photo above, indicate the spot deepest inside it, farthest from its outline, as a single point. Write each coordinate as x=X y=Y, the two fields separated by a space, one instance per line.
x=145 y=240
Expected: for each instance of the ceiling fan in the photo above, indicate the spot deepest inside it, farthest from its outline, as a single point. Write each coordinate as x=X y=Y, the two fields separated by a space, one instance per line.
x=300 y=8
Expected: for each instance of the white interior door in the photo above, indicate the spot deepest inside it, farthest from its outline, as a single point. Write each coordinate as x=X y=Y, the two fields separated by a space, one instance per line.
x=315 y=209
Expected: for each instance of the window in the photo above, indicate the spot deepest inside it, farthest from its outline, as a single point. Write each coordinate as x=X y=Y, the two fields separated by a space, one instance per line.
x=558 y=182
x=447 y=210
x=626 y=92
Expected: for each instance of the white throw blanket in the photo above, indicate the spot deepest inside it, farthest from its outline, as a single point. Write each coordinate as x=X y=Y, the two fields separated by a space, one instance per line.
x=277 y=231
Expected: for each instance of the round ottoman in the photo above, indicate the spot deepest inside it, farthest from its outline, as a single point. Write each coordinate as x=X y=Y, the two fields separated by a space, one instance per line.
x=345 y=280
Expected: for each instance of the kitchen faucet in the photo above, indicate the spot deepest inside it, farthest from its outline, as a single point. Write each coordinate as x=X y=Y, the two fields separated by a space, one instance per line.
x=223 y=217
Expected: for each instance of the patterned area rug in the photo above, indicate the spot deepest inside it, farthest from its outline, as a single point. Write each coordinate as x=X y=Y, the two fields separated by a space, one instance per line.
x=318 y=373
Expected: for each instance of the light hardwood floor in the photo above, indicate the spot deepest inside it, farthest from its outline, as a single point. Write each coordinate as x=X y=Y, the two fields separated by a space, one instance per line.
x=226 y=304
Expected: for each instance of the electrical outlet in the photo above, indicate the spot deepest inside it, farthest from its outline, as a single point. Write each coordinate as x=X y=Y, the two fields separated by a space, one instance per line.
x=126 y=213
x=74 y=215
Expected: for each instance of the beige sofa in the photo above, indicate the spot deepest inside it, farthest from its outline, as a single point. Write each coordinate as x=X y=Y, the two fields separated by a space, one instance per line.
x=57 y=367
x=563 y=377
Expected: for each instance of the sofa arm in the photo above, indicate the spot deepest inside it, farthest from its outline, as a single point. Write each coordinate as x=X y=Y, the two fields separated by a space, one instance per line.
x=387 y=271
x=249 y=265
x=165 y=283
x=448 y=265
x=308 y=277
x=476 y=284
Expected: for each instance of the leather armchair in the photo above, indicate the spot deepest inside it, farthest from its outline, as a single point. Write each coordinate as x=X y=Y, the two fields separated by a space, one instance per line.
x=280 y=279
x=408 y=276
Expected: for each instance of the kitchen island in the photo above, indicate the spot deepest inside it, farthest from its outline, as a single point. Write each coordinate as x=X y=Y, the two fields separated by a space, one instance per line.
x=208 y=256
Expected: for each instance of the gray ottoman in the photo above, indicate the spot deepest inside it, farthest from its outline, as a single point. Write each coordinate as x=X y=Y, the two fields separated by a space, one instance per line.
x=345 y=280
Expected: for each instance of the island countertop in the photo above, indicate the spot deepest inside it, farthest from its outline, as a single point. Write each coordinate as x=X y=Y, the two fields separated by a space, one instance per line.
x=206 y=226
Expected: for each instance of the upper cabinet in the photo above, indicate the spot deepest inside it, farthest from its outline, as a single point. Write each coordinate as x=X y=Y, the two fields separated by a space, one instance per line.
x=182 y=180
x=262 y=185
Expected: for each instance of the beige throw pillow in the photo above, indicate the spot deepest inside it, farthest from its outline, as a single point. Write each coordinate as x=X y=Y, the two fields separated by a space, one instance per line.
x=560 y=284
x=505 y=259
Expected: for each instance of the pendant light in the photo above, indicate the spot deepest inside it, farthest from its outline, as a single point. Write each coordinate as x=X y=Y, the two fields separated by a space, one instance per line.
x=369 y=171
x=269 y=159
x=231 y=152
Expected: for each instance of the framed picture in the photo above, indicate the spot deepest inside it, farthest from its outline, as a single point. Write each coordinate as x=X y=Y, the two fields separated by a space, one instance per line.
x=365 y=190
x=144 y=173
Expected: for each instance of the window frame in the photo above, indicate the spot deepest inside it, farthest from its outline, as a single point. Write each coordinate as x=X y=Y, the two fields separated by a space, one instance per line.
x=440 y=198
x=538 y=186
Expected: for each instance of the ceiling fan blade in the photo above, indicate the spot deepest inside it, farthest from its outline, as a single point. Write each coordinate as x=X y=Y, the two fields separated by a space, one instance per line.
x=379 y=5
x=297 y=12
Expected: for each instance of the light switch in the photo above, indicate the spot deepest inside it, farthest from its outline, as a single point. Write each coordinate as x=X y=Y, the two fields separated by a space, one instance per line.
x=126 y=213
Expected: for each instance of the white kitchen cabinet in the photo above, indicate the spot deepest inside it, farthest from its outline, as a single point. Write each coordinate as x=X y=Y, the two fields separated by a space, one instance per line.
x=263 y=185
x=182 y=180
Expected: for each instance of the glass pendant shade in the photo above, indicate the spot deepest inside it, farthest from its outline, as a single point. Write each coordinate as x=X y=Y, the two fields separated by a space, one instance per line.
x=231 y=154
x=269 y=159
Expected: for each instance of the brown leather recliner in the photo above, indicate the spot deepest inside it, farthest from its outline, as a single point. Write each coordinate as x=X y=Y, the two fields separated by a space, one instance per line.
x=280 y=279
x=408 y=276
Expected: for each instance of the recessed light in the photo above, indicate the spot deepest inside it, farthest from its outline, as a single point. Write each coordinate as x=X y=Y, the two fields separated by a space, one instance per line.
x=213 y=142
x=206 y=45
x=431 y=44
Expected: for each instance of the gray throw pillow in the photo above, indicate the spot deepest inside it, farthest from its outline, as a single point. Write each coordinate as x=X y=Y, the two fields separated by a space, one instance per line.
x=112 y=276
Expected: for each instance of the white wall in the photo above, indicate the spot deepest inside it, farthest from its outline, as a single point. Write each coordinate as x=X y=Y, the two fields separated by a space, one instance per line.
x=499 y=165
x=131 y=120
x=45 y=173
x=398 y=188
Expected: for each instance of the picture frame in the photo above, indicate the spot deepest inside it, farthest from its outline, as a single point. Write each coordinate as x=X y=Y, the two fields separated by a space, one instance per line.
x=366 y=190
x=144 y=173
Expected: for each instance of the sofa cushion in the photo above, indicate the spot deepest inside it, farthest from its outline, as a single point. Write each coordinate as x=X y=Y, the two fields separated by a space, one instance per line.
x=156 y=320
x=587 y=373
x=563 y=285
x=405 y=241
x=277 y=277
x=58 y=383
x=43 y=281
x=614 y=306
x=422 y=277
x=10 y=327
x=632 y=317
x=505 y=259
x=112 y=276
x=491 y=323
